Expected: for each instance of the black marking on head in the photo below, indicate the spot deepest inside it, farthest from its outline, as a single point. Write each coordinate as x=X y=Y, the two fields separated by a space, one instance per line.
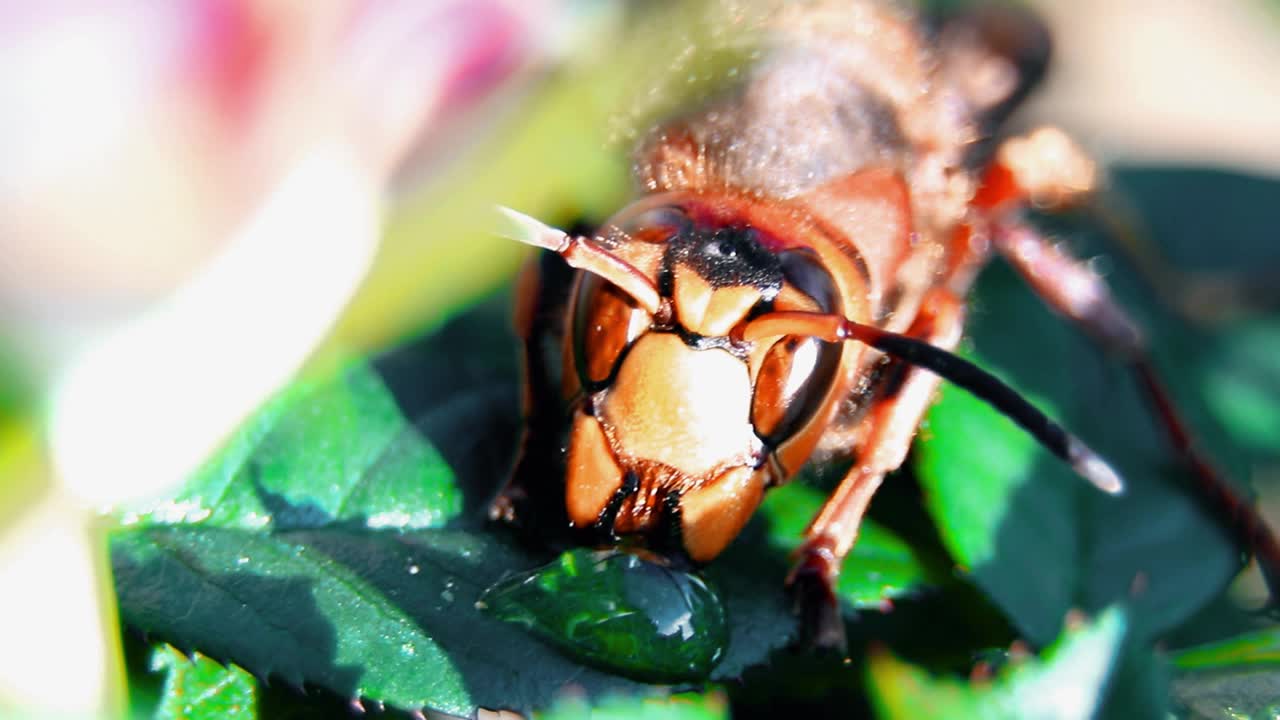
x=726 y=257
x=802 y=268
x=609 y=514
x=736 y=348
x=667 y=538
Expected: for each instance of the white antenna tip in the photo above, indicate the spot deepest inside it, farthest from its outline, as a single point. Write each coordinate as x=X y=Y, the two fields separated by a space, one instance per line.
x=530 y=231
x=1099 y=473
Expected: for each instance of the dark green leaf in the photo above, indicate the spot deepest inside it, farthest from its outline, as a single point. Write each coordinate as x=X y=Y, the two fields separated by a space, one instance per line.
x=1216 y=264
x=386 y=616
x=1036 y=537
x=1140 y=685
x=881 y=567
x=199 y=688
x=1240 y=385
x=274 y=607
x=1068 y=684
x=1006 y=519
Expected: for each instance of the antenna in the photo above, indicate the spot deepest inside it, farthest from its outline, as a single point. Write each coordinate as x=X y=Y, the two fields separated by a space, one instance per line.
x=953 y=368
x=583 y=254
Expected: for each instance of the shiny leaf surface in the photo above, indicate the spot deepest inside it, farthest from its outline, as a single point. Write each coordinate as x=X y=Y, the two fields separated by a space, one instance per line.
x=332 y=450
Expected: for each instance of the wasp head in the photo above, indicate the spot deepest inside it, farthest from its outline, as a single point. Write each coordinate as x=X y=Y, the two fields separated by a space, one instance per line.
x=678 y=427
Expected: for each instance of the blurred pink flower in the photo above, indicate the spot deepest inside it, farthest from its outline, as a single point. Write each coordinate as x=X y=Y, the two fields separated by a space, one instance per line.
x=140 y=135
x=190 y=194
x=193 y=189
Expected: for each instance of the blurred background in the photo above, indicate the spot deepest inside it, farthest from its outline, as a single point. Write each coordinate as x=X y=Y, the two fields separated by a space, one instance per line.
x=200 y=197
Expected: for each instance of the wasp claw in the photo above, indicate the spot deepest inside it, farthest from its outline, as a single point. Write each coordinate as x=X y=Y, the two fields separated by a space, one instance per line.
x=503 y=507
x=816 y=604
x=821 y=625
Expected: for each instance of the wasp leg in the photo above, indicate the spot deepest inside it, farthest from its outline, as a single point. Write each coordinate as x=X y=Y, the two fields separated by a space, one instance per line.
x=1044 y=167
x=995 y=54
x=584 y=254
x=888 y=428
x=1072 y=289
x=530 y=496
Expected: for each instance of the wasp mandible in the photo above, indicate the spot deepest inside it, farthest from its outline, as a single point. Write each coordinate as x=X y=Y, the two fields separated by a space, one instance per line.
x=791 y=282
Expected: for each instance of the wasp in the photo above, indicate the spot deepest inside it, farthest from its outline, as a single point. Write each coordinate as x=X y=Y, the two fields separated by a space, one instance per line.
x=790 y=284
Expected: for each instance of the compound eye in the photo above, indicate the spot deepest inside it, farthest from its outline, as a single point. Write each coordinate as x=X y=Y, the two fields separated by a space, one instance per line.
x=792 y=386
x=606 y=322
x=797 y=372
x=652 y=225
x=721 y=247
x=802 y=270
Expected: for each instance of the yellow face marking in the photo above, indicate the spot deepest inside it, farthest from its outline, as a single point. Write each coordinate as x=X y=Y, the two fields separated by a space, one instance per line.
x=593 y=474
x=713 y=515
x=692 y=295
x=728 y=307
x=707 y=310
x=689 y=409
x=612 y=324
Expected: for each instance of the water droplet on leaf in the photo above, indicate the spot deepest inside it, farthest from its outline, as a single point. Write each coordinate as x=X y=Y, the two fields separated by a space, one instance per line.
x=618 y=611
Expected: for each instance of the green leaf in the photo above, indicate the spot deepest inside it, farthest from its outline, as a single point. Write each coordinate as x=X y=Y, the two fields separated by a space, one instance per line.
x=1232 y=678
x=334 y=449
x=197 y=688
x=1006 y=519
x=881 y=567
x=1239 y=387
x=1261 y=647
x=386 y=616
x=684 y=706
x=1171 y=201
x=1222 y=266
x=1067 y=684
x=1034 y=537
x=271 y=606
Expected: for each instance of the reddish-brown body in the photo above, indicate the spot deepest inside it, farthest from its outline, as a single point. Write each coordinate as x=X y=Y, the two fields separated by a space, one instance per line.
x=841 y=181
